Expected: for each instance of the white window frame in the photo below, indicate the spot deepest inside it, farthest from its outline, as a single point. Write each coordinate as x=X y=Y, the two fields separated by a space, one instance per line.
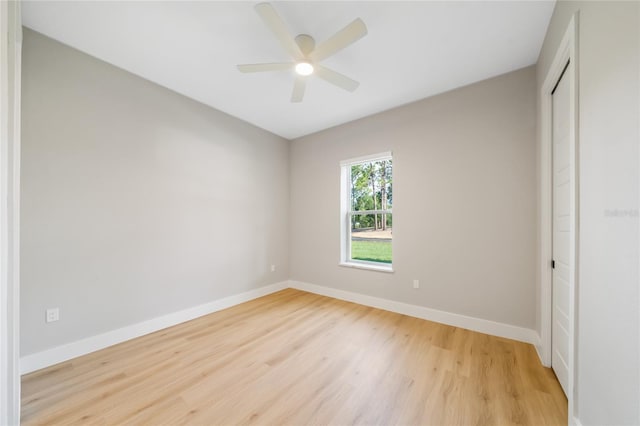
x=346 y=213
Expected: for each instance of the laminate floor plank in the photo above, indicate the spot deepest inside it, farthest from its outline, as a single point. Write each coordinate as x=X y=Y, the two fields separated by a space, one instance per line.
x=298 y=358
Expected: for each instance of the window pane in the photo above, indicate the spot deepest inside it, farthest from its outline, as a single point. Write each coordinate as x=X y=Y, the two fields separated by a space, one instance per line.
x=371 y=186
x=371 y=236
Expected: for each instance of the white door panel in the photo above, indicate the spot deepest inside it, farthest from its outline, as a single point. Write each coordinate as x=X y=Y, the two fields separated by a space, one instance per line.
x=561 y=192
x=561 y=247
x=561 y=233
x=559 y=152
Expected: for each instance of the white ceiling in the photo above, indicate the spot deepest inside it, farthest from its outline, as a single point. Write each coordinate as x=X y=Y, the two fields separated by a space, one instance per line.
x=413 y=50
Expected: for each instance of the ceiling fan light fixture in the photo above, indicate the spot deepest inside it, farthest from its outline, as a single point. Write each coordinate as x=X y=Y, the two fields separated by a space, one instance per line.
x=304 y=68
x=304 y=52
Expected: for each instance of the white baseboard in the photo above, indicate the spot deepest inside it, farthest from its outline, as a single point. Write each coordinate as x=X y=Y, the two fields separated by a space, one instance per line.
x=538 y=346
x=49 y=357
x=470 y=323
x=75 y=349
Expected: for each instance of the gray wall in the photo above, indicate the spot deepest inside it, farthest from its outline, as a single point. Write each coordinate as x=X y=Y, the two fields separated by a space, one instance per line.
x=464 y=201
x=608 y=380
x=136 y=201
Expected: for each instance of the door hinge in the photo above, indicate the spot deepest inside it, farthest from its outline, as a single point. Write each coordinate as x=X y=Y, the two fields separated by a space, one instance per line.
x=553 y=264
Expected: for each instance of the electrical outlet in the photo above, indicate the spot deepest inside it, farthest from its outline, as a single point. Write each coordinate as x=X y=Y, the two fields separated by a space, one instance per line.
x=416 y=284
x=53 y=314
x=273 y=268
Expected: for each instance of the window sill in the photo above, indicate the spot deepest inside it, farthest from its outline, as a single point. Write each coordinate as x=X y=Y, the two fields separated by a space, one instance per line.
x=368 y=266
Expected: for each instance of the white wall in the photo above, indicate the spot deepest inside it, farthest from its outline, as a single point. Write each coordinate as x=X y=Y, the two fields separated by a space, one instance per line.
x=136 y=201
x=464 y=201
x=608 y=348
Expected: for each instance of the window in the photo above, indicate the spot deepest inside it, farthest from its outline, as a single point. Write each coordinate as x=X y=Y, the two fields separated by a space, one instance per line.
x=366 y=212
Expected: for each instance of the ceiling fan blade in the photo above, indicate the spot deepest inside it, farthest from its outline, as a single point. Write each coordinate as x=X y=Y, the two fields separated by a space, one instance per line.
x=283 y=66
x=279 y=29
x=336 y=78
x=298 y=89
x=343 y=38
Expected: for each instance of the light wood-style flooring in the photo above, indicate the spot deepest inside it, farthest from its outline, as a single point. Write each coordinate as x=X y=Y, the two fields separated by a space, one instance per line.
x=299 y=358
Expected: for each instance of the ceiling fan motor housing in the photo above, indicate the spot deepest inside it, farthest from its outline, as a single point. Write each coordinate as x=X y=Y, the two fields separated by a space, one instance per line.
x=306 y=43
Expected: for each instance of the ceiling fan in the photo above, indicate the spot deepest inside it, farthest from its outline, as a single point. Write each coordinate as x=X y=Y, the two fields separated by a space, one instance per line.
x=305 y=54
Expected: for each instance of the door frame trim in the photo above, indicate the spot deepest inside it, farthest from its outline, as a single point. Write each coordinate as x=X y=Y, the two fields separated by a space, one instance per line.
x=10 y=83
x=567 y=52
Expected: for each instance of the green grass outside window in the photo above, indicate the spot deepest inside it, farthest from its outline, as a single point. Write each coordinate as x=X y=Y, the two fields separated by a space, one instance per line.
x=372 y=251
